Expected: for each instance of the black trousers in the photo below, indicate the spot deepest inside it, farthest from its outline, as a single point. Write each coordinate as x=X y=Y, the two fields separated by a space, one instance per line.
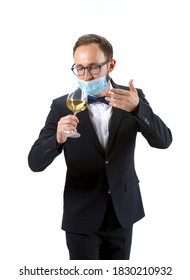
x=110 y=242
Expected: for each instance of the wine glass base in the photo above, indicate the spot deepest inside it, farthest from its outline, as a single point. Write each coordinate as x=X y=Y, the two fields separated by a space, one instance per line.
x=72 y=134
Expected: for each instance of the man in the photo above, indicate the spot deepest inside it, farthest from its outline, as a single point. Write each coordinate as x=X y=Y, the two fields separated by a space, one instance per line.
x=102 y=199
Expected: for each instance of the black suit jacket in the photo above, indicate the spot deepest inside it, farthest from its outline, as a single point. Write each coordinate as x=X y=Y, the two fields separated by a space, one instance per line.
x=91 y=171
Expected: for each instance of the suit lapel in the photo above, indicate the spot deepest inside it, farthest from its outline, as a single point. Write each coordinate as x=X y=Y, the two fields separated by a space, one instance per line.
x=115 y=121
x=87 y=129
x=114 y=126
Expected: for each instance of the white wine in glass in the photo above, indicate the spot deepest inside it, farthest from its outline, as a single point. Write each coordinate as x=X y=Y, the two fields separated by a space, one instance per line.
x=76 y=102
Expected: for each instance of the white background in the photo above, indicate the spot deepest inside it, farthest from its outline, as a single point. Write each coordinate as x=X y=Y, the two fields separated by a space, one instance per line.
x=151 y=45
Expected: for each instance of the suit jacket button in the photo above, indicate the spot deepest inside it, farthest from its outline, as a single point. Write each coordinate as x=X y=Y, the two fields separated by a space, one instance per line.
x=107 y=161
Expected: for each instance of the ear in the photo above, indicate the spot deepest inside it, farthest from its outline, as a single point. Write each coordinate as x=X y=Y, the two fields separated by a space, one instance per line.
x=112 y=65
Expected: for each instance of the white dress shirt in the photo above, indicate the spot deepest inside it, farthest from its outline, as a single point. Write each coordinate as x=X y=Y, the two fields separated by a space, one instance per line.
x=100 y=115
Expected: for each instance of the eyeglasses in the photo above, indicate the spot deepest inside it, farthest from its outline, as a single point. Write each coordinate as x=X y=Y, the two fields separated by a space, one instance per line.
x=93 y=69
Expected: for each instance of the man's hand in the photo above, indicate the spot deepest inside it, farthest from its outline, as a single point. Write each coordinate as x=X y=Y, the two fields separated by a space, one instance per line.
x=127 y=100
x=66 y=123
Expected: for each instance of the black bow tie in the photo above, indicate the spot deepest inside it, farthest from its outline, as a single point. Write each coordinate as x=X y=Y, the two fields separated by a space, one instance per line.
x=92 y=99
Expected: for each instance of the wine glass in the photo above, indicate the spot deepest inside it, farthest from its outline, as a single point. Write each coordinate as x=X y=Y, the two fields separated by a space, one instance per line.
x=76 y=102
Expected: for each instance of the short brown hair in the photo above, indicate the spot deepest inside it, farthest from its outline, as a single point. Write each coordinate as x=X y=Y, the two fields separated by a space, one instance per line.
x=103 y=43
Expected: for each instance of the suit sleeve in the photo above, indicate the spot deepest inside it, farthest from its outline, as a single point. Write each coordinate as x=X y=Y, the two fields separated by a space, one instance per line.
x=45 y=148
x=151 y=126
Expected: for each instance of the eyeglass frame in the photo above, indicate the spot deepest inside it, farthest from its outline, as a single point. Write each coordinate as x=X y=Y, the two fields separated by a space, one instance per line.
x=89 y=67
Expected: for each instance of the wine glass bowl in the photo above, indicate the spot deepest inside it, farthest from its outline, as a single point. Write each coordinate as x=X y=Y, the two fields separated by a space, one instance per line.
x=76 y=102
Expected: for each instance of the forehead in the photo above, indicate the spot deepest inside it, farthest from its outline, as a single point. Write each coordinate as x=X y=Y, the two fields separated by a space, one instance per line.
x=88 y=54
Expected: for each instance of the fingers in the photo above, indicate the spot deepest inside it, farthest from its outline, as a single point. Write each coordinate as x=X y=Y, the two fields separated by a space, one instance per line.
x=116 y=90
x=116 y=98
x=120 y=93
x=69 y=119
x=68 y=122
x=131 y=86
x=124 y=99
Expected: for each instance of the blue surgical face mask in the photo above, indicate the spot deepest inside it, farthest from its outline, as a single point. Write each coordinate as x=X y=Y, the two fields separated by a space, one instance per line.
x=93 y=87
